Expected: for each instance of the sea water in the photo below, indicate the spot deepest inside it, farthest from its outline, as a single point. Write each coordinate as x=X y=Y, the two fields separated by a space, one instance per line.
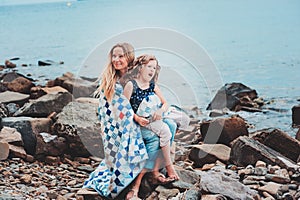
x=254 y=42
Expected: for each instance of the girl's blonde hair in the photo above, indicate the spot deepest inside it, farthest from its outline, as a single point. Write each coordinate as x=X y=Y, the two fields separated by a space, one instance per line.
x=143 y=60
x=110 y=75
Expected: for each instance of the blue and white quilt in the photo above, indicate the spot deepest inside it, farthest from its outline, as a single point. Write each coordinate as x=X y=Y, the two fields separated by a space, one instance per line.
x=125 y=151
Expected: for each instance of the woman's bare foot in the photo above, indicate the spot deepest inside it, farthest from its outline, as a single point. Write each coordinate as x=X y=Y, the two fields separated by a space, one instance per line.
x=171 y=172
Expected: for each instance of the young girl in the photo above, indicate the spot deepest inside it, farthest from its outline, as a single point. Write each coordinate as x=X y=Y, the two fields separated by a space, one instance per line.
x=149 y=105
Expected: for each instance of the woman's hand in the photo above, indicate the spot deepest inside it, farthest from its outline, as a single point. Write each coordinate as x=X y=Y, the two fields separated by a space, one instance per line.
x=141 y=120
x=158 y=114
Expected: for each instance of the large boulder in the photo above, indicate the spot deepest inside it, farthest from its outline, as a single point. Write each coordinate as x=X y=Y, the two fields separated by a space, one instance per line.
x=10 y=76
x=49 y=145
x=223 y=130
x=21 y=85
x=45 y=105
x=13 y=97
x=15 y=142
x=233 y=96
x=280 y=142
x=247 y=151
x=16 y=82
x=28 y=127
x=79 y=125
x=78 y=87
x=209 y=153
x=217 y=181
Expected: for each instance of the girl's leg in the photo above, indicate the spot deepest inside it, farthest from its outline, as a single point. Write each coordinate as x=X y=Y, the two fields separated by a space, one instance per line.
x=165 y=161
x=168 y=162
x=158 y=177
x=162 y=130
x=164 y=133
x=157 y=165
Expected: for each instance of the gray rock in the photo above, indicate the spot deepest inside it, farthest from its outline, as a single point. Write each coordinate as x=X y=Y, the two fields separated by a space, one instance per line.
x=223 y=130
x=78 y=123
x=245 y=151
x=13 y=97
x=11 y=136
x=28 y=127
x=20 y=84
x=48 y=144
x=280 y=142
x=78 y=87
x=209 y=153
x=193 y=194
x=230 y=96
x=217 y=183
x=165 y=193
x=45 y=105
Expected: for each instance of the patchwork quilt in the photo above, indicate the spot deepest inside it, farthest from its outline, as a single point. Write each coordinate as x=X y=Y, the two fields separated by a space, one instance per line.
x=149 y=106
x=125 y=151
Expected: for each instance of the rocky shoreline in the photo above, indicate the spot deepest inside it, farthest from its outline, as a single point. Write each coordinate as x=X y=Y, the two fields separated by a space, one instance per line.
x=49 y=144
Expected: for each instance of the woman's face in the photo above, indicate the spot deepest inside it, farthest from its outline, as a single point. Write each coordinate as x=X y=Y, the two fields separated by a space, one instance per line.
x=147 y=71
x=119 y=60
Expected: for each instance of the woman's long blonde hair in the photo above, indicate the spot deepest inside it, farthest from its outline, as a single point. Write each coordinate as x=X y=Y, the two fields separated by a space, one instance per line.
x=143 y=60
x=110 y=75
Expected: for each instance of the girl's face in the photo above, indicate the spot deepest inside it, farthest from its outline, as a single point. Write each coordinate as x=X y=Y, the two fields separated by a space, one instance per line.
x=147 y=71
x=119 y=60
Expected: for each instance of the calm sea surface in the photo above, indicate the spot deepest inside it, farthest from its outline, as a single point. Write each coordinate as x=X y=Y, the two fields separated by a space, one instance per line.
x=253 y=42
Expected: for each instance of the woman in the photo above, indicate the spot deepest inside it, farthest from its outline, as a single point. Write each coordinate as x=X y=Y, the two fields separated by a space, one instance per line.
x=125 y=151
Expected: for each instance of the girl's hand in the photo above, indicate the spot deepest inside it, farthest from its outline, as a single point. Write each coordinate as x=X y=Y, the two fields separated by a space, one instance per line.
x=158 y=114
x=141 y=120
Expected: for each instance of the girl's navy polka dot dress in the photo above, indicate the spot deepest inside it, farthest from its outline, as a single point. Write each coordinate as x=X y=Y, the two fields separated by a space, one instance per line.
x=138 y=94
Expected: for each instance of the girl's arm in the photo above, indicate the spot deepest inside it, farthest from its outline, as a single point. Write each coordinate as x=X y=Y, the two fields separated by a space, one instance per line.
x=127 y=93
x=128 y=90
x=164 y=107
